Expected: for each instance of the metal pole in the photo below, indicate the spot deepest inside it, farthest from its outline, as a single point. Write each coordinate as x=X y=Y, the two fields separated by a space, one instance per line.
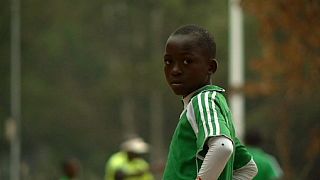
x=157 y=154
x=236 y=67
x=156 y=134
x=15 y=89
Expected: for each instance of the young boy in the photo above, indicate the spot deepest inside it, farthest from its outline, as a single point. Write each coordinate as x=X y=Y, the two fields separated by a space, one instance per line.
x=204 y=145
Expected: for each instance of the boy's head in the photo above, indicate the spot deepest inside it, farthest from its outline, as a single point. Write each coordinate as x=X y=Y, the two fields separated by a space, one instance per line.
x=189 y=59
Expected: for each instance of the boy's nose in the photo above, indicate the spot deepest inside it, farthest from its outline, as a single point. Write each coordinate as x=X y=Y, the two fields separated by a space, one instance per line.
x=176 y=70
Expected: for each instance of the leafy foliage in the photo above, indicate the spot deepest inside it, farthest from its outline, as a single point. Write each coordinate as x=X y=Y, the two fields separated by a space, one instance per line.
x=287 y=81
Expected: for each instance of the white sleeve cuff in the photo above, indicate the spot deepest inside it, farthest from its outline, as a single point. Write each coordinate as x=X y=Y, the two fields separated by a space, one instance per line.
x=247 y=172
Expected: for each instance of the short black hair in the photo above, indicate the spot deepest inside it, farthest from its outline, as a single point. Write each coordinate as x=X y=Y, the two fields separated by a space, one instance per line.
x=206 y=40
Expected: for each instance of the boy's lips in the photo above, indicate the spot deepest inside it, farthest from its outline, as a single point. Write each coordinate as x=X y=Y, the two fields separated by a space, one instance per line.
x=176 y=84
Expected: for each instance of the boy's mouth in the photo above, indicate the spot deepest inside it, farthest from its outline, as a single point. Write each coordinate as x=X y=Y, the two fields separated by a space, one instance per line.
x=176 y=84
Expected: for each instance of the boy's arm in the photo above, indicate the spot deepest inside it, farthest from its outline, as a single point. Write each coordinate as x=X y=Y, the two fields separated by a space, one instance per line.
x=249 y=171
x=244 y=166
x=220 y=150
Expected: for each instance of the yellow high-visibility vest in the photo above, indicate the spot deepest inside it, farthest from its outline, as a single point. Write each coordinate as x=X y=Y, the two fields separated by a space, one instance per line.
x=119 y=161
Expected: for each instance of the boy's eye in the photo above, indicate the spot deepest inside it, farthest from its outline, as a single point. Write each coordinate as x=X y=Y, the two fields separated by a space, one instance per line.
x=187 y=61
x=167 y=61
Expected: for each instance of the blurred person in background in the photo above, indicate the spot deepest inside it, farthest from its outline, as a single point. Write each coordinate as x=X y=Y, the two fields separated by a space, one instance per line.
x=128 y=163
x=70 y=169
x=268 y=167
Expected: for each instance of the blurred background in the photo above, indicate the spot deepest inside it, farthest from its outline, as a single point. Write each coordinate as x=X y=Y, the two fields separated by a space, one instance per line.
x=92 y=73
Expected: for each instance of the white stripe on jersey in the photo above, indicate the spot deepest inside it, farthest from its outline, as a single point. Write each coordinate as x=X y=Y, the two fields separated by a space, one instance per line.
x=191 y=118
x=216 y=122
x=182 y=113
x=206 y=98
x=202 y=115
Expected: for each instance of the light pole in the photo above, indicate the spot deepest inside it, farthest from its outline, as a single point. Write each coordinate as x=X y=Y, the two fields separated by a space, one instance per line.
x=236 y=65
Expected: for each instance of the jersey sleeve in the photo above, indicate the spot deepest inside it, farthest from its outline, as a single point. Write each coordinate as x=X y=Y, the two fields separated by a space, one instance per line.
x=210 y=120
x=242 y=155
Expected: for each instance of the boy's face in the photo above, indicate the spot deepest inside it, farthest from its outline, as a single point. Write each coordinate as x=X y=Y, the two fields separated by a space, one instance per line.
x=187 y=65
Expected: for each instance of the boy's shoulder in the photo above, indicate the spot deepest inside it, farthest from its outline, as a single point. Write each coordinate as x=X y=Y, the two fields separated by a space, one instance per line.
x=209 y=88
x=215 y=91
x=213 y=88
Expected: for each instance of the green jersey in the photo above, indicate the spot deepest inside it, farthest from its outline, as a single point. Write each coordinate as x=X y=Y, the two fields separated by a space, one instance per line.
x=205 y=115
x=268 y=167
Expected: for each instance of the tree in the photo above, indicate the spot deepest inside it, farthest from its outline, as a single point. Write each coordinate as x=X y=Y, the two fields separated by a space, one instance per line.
x=287 y=80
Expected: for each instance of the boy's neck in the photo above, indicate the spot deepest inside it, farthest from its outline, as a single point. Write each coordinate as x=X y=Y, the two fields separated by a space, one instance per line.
x=186 y=99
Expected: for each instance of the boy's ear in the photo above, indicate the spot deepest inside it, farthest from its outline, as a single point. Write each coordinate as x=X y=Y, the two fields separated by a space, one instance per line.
x=213 y=66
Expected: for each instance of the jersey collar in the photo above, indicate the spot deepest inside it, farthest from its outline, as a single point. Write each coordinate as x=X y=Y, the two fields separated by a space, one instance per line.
x=187 y=98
